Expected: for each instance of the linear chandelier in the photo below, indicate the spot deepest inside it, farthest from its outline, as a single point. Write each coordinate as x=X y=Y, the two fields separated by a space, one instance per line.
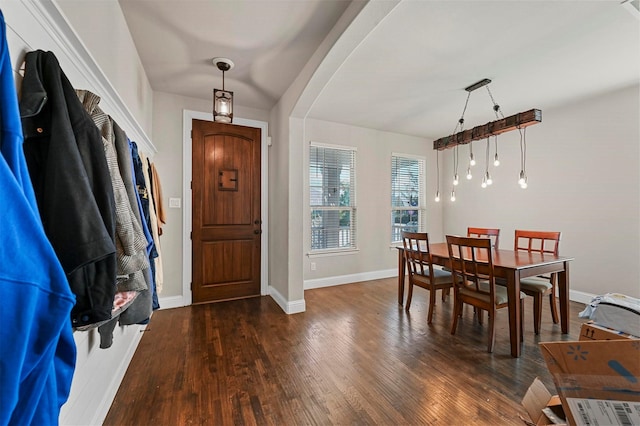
x=503 y=125
x=494 y=128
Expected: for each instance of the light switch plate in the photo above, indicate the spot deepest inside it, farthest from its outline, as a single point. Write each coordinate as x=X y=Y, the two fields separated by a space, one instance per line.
x=174 y=203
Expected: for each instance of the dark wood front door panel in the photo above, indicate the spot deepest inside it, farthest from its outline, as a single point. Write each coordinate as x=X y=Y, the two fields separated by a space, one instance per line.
x=226 y=211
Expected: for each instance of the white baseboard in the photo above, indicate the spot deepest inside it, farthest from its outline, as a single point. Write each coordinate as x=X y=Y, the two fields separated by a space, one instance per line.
x=293 y=307
x=171 y=302
x=351 y=278
x=580 y=296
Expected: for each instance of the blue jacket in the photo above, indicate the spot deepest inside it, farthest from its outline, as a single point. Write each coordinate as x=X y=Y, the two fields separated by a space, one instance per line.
x=37 y=349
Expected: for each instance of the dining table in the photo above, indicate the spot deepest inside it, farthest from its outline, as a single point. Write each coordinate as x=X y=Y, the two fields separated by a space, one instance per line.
x=511 y=266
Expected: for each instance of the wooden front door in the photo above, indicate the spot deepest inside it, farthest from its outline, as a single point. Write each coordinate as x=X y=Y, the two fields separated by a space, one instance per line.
x=226 y=211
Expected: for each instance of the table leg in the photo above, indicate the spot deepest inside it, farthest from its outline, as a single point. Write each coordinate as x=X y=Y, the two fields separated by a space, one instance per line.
x=513 y=292
x=563 y=289
x=401 y=274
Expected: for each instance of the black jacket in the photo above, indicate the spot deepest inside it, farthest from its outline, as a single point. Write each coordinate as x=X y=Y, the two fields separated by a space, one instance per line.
x=71 y=180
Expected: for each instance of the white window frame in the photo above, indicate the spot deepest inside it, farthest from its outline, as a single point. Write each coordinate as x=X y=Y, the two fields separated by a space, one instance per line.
x=421 y=207
x=352 y=207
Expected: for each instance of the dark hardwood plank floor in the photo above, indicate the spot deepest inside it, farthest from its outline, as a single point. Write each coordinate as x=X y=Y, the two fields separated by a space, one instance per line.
x=354 y=357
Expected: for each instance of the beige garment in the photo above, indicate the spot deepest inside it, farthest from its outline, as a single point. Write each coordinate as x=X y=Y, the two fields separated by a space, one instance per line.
x=157 y=198
x=130 y=240
x=153 y=218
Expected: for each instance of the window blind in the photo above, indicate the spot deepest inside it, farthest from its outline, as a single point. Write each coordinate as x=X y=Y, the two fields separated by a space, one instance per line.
x=407 y=195
x=332 y=196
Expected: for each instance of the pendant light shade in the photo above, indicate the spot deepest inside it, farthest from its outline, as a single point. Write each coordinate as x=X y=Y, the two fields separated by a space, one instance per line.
x=223 y=99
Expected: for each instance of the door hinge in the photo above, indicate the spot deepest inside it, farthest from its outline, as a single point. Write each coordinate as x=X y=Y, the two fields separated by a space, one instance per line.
x=191 y=235
x=191 y=134
x=191 y=286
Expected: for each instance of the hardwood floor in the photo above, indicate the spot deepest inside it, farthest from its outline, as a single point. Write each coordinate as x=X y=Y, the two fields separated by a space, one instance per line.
x=354 y=357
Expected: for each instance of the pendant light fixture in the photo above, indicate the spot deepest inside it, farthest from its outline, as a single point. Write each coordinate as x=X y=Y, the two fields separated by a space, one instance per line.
x=223 y=99
x=487 y=177
x=522 y=179
x=459 y=128
x=501 y=125
x=472 y=160
x=494 y=128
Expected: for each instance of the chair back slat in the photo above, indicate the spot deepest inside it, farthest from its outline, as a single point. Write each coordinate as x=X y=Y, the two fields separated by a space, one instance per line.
x=471 y=263
x=417 y=254
x=492 y=233
x=537 y=241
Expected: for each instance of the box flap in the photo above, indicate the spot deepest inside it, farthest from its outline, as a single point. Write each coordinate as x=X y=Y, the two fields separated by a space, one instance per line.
x=535 y=400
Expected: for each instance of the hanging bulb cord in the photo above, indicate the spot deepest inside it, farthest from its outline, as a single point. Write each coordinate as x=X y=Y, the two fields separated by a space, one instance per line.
x=486 y=162
x=438 y=169
x=455 y=160
x=459 y=127
x=523 y=148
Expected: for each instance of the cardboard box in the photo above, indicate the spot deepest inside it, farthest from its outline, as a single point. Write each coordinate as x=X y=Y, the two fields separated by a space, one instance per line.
x=598 y=381
x=592 y=331
x=542 y=407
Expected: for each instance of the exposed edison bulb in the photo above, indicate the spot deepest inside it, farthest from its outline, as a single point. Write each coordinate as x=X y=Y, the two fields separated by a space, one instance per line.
x=524 y=184
x=455 y=179
x=496 y=160
x=469 y=176
x=453 y=195
x=488 y=179
x=472 y=161
x=437 y=196
x=484 y=181
x=523 y=178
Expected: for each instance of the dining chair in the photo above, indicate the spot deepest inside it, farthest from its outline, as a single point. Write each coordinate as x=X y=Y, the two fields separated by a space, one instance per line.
x=474 y=281
x=538 y=287
x=492 y=233
x=421 y=270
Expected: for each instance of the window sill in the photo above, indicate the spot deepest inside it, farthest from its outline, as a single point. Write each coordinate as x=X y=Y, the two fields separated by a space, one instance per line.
x=329 y=252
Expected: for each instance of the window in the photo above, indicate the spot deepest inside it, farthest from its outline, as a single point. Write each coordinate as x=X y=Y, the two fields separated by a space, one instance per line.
x=332 y=195
x=407 y=195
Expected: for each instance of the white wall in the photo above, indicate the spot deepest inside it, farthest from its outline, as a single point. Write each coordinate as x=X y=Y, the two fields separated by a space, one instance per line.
x=583 y=165
x=97 y=22
x=286 y=161
x=375 y=257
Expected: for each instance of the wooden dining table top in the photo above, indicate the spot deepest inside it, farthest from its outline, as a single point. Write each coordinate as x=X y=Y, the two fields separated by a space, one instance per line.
x=510 y=259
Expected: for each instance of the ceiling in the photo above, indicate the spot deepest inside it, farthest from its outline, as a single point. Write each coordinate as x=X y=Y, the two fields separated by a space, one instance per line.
x=406 y=75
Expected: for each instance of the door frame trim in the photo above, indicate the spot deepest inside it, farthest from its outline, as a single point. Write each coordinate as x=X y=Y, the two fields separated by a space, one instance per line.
x=187 y=226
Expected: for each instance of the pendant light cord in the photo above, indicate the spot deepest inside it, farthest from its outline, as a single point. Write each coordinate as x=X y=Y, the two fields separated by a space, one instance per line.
x=438 y=169
x=523 y=148
x=486 y=159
